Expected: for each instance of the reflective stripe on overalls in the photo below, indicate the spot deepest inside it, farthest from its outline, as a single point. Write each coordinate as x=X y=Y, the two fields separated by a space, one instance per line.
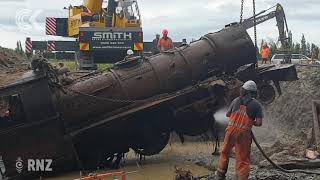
x=240 y=119
x=238 y=135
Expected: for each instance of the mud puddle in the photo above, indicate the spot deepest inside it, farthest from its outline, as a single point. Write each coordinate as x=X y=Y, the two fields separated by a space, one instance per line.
x=159 y=171
x=189 y=156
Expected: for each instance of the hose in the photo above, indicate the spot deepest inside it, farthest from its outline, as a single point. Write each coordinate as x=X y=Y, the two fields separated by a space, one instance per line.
x=277 y=166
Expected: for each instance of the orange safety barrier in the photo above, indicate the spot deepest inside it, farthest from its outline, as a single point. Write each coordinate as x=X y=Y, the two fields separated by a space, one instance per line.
x=121 y=175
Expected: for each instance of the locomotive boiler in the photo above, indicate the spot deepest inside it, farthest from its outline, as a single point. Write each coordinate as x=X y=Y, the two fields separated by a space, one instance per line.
x=134 y=105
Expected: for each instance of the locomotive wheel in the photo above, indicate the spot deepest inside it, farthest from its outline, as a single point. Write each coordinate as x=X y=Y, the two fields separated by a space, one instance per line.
x=193 y=124
x=153 y=145
x=267 y=94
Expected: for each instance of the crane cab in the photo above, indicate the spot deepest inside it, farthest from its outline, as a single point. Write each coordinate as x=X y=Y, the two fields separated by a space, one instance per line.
x=126 y=13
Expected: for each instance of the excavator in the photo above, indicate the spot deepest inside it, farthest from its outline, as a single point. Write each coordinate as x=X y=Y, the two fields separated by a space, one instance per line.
x=282 y=25
x=267 y=92
x=102 y=34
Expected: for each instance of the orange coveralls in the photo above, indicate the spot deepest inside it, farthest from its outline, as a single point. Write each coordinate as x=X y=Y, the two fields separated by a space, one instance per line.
x=265 y=53
x=238 y=135
x=165 y=44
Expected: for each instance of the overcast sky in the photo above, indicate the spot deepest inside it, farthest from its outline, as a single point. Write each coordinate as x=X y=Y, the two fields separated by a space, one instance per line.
x=183 y=18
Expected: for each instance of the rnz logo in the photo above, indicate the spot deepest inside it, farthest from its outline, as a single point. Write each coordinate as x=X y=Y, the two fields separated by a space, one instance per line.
x=19 y=165
x=2 y=168
x=35 y=165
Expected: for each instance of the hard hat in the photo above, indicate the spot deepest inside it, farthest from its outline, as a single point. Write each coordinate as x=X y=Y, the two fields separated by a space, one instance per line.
x=130 y=52
x=265 y=44
x=165 y=32
x=250 y=86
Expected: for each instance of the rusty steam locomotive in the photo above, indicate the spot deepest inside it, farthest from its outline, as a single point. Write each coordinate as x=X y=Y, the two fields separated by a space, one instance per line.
x=134 y=105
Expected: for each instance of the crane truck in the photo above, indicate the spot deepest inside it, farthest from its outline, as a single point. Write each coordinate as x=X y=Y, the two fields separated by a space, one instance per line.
x=102 y=35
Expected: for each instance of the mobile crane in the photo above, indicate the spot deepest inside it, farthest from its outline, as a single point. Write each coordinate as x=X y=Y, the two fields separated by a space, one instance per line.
x=102 y=34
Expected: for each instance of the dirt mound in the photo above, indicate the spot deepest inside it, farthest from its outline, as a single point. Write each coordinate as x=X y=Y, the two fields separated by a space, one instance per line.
x=11 y=66
x=292 y=111
x=288 y=123
x=8 y=58
x=289 y=119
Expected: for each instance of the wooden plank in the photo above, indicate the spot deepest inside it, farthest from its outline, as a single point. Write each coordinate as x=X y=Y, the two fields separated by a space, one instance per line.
x=316 y=121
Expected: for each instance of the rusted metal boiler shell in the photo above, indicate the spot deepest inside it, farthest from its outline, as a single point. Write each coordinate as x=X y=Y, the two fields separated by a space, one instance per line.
x=223 y=51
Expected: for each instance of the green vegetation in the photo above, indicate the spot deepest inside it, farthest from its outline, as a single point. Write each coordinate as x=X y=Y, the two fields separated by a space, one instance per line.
x=104 y=67
x=72 y=65
x=19 y=51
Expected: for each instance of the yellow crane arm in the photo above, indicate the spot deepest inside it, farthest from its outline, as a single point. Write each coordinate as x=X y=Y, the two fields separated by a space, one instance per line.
x=94 y=6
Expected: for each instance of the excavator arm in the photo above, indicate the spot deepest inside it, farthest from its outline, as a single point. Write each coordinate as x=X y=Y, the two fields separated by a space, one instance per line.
x=281 y=23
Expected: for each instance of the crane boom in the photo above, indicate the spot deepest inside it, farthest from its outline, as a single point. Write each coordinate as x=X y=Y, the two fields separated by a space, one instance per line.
x=281 y=24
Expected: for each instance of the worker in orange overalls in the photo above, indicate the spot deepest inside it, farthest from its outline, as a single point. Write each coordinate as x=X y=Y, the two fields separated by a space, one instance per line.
x=265 y=53
x=244 y=112
x=165 y=43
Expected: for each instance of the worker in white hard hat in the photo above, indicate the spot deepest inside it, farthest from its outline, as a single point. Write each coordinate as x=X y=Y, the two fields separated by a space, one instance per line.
x=130 y=55
x=244 y=113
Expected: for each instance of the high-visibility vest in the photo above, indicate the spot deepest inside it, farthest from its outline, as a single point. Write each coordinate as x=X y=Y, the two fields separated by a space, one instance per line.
x=265 y=52
x=165 y=44
x=240 y=118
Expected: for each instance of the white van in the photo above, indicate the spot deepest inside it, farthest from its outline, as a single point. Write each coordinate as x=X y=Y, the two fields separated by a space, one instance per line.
x=296 y=58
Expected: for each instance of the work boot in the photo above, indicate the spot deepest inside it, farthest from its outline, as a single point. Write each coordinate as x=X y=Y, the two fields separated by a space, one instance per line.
x=218 y=176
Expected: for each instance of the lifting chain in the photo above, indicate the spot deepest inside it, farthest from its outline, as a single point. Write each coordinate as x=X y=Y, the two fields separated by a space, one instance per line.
x=255 y=24
x=241 y=11
x=254 y=15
